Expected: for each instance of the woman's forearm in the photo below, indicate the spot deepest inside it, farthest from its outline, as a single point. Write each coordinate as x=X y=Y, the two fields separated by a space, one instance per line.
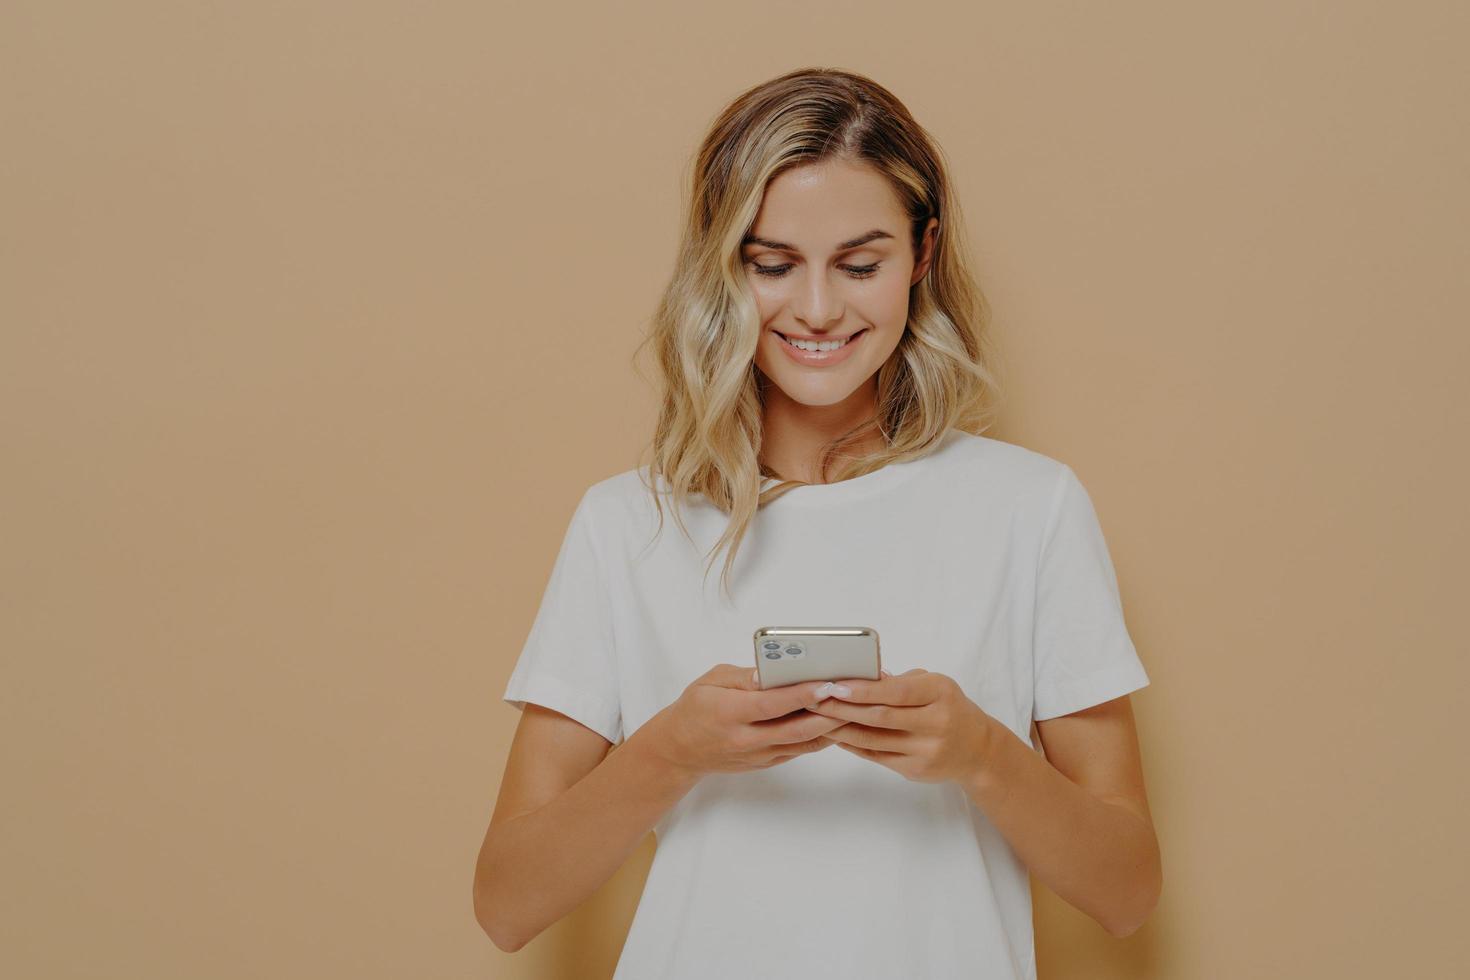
x=1100 y=857
x=537 y=867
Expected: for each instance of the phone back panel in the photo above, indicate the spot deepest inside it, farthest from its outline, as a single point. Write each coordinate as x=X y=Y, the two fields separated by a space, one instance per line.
x=792 y=654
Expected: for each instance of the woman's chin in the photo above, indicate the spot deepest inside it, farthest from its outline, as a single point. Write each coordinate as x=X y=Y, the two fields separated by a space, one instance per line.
x=816 y=389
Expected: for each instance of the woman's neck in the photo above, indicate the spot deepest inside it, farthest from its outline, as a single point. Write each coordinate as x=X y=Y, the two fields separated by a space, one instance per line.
x=793 y=434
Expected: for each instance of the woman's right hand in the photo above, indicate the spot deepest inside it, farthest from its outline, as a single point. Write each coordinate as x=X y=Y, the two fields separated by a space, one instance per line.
x=724 y=722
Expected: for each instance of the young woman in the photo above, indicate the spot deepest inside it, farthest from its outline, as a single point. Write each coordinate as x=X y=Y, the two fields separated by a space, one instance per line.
x=827 y=376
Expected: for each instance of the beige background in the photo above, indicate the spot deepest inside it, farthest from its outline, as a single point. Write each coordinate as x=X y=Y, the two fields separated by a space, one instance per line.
x=318 y=318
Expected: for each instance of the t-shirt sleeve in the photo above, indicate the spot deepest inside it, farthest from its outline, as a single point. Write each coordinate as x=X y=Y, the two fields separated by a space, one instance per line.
x=568 y=661
x=1082 y=654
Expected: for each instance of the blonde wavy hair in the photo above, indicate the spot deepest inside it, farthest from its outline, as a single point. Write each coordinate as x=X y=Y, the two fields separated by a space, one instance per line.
x=704 y=334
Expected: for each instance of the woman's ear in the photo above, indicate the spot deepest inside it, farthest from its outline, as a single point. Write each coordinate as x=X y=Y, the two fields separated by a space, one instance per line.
x=926 y=254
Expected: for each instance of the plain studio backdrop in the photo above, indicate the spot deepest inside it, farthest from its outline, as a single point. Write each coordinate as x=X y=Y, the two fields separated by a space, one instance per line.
x=317 y=318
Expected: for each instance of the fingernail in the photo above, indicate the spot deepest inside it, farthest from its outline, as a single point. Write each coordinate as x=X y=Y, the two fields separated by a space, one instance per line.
x=824 y=691
x=840 y=690
x=755 y=675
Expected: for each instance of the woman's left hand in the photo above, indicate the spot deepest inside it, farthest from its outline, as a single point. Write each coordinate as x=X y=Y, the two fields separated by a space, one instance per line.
x=919 y=724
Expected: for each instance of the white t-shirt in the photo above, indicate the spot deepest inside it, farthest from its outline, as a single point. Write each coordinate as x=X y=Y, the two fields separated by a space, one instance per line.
x=983 y=560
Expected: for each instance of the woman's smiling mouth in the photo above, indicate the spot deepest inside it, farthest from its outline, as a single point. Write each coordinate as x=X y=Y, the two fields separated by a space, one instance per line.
x=819 y=352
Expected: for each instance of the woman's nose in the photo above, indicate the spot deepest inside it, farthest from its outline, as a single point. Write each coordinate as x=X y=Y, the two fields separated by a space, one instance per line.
x=819 y=305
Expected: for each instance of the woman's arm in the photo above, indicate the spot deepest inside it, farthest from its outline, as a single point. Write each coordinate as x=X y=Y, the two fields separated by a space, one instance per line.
x=1079 y=817
x=571 y=809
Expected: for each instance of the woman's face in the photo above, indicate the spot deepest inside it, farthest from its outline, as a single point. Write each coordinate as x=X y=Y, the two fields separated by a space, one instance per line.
x=828 y=259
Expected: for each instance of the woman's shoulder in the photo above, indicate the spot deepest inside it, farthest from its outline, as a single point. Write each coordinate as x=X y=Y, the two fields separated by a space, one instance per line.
x=967 y=457
x=620 y=499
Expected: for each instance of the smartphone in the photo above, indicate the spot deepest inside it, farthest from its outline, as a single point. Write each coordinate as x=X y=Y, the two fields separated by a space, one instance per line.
x=792 y=654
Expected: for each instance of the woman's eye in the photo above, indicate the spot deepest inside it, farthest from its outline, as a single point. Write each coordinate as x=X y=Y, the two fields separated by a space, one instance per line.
x=777 y=271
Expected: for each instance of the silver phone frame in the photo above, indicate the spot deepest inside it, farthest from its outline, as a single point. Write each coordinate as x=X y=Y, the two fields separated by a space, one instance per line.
x=764 y=631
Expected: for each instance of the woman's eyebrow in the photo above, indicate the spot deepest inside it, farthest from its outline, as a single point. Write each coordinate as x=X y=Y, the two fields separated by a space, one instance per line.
x=783 y=247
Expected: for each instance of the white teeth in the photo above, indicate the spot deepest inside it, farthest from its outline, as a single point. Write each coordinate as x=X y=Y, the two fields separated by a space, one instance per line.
x=812 y=345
